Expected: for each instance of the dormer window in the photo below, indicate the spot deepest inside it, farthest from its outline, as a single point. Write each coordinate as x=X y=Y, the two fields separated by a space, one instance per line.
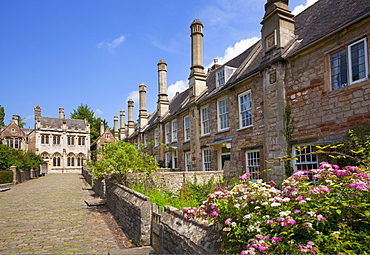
x=224 y=75
x=221 y=77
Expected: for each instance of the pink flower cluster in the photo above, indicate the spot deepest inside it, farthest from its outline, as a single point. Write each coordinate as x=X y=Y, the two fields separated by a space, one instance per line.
x=261 y=243
x=309 y=248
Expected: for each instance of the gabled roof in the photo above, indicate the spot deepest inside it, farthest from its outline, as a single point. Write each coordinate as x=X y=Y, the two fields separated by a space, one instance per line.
x=325 y=17
x=12 y=130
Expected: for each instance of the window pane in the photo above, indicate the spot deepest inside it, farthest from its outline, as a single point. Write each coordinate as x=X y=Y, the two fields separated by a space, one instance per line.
x=338 y=62
x=358 y=68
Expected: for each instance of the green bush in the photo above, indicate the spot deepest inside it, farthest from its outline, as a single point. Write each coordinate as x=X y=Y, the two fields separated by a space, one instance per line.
x=22 y=160
x=6 y=177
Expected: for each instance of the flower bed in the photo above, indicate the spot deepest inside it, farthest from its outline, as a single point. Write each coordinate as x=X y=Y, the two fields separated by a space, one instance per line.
x=324 y=210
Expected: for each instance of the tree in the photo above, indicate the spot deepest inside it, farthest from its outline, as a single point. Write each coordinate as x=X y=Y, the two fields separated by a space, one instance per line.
x=2 y=116
x=85 y=112
x=120 y=158
x=21 y=122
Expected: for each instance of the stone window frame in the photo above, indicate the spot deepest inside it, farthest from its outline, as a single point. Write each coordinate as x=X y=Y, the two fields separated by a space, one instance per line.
x=207 y=159
x=223 y=123
x=44 y=139
x=187 y=128
x=253 y=164
x=220 y=77
x=205 y=122
x=156 y=137
x=168 y=159
x=81 y=140
x=308 y=162
x=341 y=65
x=70 y=140
x=174 y=159
x=174 y=130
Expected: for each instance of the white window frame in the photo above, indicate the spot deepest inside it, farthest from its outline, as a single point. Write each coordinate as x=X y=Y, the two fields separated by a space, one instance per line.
x=221 y=113
x=174 y=159
x=207 y=159
x=167 y=159
x=337 y=63
x=245 y=108
x=167 y=132
x=188 y=163
x=187 y=128
x=156 y=137
x=350 y=63
x=220 y=77
x=205 y=121
x=174 y=130
x=308 y=161
x=252 y=164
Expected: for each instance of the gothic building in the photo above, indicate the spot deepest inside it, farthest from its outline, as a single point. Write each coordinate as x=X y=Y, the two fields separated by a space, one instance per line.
x=233 y=117
x=63 y=143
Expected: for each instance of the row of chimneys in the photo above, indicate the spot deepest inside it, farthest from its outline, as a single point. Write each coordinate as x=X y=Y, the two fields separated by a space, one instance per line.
x=197 y=84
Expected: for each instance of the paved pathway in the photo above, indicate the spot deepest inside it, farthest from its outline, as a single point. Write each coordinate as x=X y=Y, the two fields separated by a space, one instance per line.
x=48 y=215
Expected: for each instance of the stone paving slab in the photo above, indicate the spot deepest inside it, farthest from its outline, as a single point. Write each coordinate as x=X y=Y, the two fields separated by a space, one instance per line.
x=48 y=215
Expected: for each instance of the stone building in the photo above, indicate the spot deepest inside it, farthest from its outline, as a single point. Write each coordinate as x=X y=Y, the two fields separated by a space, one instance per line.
x=15 y=137
x=63 y=143
x=232 y=118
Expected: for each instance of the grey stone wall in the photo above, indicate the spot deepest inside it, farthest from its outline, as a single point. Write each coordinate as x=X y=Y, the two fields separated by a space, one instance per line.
x=20 y=176
x=187 y=237
x=132 y=211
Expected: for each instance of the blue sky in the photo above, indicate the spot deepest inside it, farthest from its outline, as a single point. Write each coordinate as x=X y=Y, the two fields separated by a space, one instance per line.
x=64 y=53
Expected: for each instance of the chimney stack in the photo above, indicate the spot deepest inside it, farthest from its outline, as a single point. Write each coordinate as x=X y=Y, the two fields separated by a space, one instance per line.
x=115 y=119
x=131 y=124
x=163 y=103
x=37 y=113
x=197 y=78
x=122 y=129
x=143 y=115
x=61 y=113
x=102 y=128
x=15 y=119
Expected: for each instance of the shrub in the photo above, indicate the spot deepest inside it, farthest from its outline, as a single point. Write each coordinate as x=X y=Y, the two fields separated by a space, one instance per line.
x=324 y=210
x=22 y=160
x=6 y=177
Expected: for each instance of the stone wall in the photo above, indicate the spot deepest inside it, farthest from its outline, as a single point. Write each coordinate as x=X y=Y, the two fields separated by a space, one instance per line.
x=20 y=176
x=166 y=232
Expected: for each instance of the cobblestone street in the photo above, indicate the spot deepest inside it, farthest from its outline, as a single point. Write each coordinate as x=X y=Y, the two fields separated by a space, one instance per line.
x=48 y=215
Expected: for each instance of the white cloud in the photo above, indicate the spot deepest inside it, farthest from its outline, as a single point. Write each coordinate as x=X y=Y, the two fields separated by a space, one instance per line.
x=98 y=112
x=233 y=51
x=178 y=86
x=114 y=44
x=134 y=95
x=298 y=9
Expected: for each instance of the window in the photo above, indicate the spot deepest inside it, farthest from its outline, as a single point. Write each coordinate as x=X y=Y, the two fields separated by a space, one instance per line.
x=145 y=138
x=223 y=114
x=167 y=159
x=187 y=161
x=81 y=140
x=71 y=140
x=168 y=133
x=156 y=137
x=204 y=112
x=174 y=159
x=187 y=128
x=349 y=65
x=174 y=130
x=56 y=160
x=253 y=164
x=225 y=156
x=44 y=139
x=245 y=109
x=56 y=139
x=206 y=153
x=221 y=77
x=304 y=161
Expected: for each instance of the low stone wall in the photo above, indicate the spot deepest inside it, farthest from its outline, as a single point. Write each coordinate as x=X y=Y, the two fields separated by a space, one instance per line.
x=166 y=232
x=174 y=180
x=187 y=237
x=20 y=176
x=132 y=211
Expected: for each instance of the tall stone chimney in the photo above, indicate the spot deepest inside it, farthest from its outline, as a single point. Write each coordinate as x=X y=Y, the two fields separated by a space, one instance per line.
x=197 y=78
x=102 y=129
x=115 y=128
x=143 y=115
x=131 y=123
x=163 y=103
x=37 y=113
x=122 y=128
x=277 y=27
x=61 y=113
x=15 y=119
